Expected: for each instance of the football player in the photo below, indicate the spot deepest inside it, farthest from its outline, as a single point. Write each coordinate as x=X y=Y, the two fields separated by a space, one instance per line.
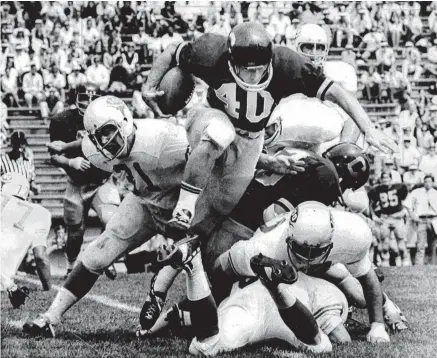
x=154 y=154
x=87 y=185
x=312 y=42
x=388 y=212
x=247 y=77
x=23 y=225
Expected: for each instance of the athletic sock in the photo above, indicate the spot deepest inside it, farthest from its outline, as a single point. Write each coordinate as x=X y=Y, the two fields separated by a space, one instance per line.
x=188 y=197
x=204 y=316
x=163 y=280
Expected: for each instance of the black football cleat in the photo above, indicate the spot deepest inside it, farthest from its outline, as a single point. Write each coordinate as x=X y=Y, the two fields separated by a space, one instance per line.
x=273 y=272
x=18 y=295
x=39 y=327
x=152 y=309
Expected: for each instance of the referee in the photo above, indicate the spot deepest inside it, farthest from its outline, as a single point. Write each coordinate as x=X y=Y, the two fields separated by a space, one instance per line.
x=19 y=160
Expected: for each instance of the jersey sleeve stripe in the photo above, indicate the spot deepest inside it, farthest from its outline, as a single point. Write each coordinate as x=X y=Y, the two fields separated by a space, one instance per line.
x=324 y=88
x=178 y=51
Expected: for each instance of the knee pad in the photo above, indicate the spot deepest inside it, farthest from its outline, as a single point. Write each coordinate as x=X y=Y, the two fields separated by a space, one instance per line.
x=220 y=133
x=96 y=257
x=236 y=326
x=74 y=240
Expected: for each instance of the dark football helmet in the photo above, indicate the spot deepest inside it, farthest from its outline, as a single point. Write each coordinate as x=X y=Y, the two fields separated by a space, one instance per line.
x=351 y=163
x=250 y=46
x=84 y=98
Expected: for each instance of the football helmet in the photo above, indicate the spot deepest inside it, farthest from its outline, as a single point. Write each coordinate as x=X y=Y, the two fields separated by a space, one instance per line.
x=272 y=131
x=314 y=36
x=109 y=122
x=311 y=227
x=84 y=98
x=250 y=46
x=15 y=184
x=351 y=163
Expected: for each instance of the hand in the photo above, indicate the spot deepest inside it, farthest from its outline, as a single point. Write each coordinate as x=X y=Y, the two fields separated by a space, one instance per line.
x=79 y=164
x=149 y=96
x=377 y=333
x=381 y=141
x=57 y=146
x=285 y=164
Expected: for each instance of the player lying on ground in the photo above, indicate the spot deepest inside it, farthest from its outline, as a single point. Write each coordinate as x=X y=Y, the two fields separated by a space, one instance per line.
x=269 y=308
x=87 y=186
x=23 y=225
x=247 y=76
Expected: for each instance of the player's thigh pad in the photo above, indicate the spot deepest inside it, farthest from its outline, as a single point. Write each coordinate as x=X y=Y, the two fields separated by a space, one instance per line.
x=73 y=204
x=222 y=239
x=130 y=226
x=399 y=228
x=236 y=325
x=106 y=201
x=209 y=124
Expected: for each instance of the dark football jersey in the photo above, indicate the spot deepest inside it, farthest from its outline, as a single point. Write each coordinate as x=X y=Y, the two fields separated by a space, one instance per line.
x=387 y=199
x=208 y=58
x=67 y=127
x=319 y=182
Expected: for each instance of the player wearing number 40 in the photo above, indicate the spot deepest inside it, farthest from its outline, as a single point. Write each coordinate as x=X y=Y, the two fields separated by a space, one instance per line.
x=153 y=153
x=24 y=225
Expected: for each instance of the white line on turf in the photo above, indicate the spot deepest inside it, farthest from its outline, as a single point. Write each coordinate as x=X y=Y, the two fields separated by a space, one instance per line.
x=104 y=300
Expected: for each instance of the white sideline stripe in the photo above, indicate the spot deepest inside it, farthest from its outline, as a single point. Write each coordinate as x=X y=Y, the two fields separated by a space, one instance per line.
x=104 y=300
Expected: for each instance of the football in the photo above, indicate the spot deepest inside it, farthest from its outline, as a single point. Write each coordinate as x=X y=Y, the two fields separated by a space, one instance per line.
x=178 y=88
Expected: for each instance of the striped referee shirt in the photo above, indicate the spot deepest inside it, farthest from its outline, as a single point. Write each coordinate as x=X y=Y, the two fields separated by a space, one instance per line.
x=23 y=165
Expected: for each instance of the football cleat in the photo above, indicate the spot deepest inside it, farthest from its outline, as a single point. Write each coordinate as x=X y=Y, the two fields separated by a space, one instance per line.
x=393 y=316
x=17 y=296
x=179 y=254
x=111 y=272
x=39 y=327
x=273 y=272
x=151 y=311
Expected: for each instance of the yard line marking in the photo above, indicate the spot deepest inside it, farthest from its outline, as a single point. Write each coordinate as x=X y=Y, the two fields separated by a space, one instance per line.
x=104 y=300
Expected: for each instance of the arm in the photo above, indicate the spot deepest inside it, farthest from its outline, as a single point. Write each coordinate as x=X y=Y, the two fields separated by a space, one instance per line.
x=280 y=164
x=352 y=107
x=42 y=266
x=350 y=132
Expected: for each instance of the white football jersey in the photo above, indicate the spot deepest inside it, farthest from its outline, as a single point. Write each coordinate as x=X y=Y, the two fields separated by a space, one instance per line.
x=23 y=225
x=351 y=239
x=250 y=315
x=343 y=73
x=306 y=123
x=156 y=162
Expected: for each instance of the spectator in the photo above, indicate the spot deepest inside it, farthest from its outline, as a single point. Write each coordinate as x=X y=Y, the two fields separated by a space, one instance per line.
x=363 y=23
x=128 y=18
x=409 y=155
x=170 y=37
x=9 y=87
x=395 y=31
x=90 y=36
x=372 y=85
x=33 y=86
x=389 y=167
x=415 y=25
x=105 y=8
x=385 y=57
x=425 y=139
x=58 y=55
x=77 y=53
x=428 y=162
x=20 y=37
x=97 y=75
x=66 y=67
x=343 y=31
x=371 y=42
x=19 y=160
x=291 y=33
x=398 y=85
x=47 y=24
x=119 y=77
x=66 y=34
x=130 y=58
x=22 y=60
x=141 y=40
x=424 y=213
x=58 y=241
x=413 y=176
x=408 y=118
x=56 y=79
x=220 y=27
x=75 y=80
x=110 y=57
x=407 y=132
x=349 y=56
x=411 y=62
x=431 y=66
x=90 y=10
x=280 y=22
x=52 y=105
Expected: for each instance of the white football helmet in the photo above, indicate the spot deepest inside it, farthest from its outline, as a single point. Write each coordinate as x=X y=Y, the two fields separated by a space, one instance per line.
x=109 y=123
x=315 y=38
x=15 y=184
x=311 y=228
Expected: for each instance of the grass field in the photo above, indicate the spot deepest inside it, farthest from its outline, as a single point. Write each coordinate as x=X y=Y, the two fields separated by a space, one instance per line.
x=103 y=325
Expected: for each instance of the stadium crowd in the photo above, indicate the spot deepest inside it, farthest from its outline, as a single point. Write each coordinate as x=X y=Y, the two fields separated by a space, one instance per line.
x=52 y=50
